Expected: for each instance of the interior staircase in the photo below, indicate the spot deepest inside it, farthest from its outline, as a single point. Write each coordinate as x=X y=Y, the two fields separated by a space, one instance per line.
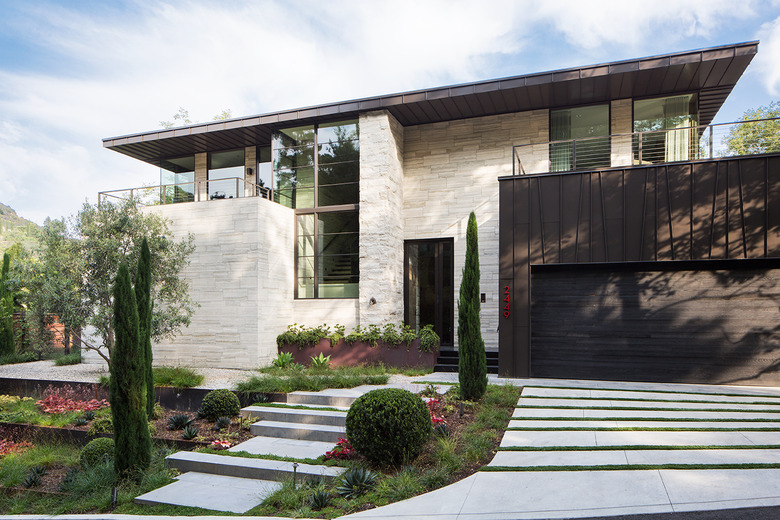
x=237 y=484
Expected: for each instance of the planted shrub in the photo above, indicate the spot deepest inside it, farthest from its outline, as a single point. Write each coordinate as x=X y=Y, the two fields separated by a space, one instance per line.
x=97 y=451
x=356 y=481
x=218 y=403
x=282 y=360
x=319 y=499
x=34 y=477
x=472 y=365
x=190 y=432
x=320 y=361
x=101 y=425
x=80 y=421
x=179 y=421
x=222 y=422
x=429 y=340
x=388 y=426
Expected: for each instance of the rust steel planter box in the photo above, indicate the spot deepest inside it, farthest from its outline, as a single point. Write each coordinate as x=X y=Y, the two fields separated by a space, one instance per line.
x=359 y=353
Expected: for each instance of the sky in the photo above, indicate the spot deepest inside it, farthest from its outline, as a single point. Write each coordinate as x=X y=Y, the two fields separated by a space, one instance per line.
x=73 y=72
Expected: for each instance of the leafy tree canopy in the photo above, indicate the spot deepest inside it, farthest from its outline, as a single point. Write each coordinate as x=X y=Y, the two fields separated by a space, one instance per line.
x=756 y=137
x=182 y=118
x=72 y=271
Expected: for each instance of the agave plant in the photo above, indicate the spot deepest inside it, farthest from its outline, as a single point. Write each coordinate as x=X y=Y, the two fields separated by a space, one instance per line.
x=222 y=422
x=355 y=482
x=190 y=432
x=283 y=360
x=179 y=421
x=80 y=421
x=34 y=477
x=319 y=499
x=320 y=361
x=89 y=415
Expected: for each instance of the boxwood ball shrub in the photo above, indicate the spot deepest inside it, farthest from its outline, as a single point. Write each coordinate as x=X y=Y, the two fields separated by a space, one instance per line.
x=389 y=426
x=97 y=451
x=220 y=403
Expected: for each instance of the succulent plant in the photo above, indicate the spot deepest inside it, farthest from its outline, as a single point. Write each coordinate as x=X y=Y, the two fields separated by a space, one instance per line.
x=179 y=421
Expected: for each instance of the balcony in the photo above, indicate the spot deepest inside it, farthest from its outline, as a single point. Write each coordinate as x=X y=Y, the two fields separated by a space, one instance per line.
x=648 y=148
x=196 y=191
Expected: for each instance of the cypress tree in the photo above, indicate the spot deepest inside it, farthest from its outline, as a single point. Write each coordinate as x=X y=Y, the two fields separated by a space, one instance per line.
x=143 y=288
x=132 y=443
x=472 y=365
x=6 y=310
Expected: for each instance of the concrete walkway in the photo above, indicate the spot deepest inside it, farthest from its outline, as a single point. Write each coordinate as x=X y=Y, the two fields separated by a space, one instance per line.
x=563 y=454
x=581 y=449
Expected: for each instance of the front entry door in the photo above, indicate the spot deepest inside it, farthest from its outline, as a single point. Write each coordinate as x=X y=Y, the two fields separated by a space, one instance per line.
x=429 y=287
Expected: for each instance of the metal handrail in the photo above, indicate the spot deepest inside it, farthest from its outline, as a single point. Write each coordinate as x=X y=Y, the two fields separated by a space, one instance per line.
x=200 y=192
x=627 y=149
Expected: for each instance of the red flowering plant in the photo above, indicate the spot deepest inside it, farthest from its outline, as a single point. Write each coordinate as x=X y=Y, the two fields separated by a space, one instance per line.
x=8 y=446
x=55 y=403
x=343 y=450
x=434 y=405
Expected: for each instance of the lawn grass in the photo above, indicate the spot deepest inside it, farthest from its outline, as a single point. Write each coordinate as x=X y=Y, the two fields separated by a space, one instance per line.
x=640 y=419
x=296 y=378
x=640 y=399
x=633 y=467
x=177 y=377
x=643 y=408
x=84 y=490
x=631 y=447
x=18 y=357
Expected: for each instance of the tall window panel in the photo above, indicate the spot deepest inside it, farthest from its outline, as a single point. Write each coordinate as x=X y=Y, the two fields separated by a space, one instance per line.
x=177 y=178
x=224 y=170
x=327 y=255
x=316 y=171
x=665 y=124
x=579 y=138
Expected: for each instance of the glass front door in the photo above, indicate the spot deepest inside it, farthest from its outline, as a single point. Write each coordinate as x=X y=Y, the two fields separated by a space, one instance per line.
x=429 y=286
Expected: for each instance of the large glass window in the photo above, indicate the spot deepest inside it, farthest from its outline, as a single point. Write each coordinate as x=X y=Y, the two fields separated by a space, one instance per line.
x=317 y=166
x=317 y=172
x=665 y=125
x=224 y=169
x=580 y=134
x=327 y=255
x=177 y=178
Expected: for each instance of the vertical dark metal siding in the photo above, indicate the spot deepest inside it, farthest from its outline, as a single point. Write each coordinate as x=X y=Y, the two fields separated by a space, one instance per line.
x=706 y=210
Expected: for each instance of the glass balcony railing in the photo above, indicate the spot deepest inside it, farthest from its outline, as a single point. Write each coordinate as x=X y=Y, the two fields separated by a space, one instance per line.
x=196 y=191
x=650 y=147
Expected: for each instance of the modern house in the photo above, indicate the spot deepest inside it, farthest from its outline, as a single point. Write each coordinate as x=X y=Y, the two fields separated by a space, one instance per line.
x=615 y=240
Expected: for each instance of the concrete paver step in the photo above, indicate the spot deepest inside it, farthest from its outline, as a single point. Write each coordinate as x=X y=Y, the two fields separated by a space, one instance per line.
x=246 y=468
x=300 y=431
x=611 y=423
x=628 y=394
x=620 y=457
x=282 y=447
x=520 y=413
x=597 y=403
x=637 y=438
x=209 y=491
x=295 y=415
x=335 y=397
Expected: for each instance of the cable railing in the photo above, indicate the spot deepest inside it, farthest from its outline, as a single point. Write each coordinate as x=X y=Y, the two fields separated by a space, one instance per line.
x=649 y=147
x=195 y=191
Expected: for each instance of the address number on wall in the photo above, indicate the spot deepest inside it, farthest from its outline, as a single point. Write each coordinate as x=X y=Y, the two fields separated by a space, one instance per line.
x=507 y=302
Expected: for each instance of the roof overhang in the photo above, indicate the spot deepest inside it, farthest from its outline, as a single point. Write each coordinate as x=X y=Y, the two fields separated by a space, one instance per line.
x=711 y=72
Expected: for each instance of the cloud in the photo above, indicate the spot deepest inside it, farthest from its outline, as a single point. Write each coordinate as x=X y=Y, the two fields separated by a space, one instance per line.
x=769 y=56
x=98 y=69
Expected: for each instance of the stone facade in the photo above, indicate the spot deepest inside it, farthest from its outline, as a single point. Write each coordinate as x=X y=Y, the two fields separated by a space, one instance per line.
x=450 y=169
x=241 y=274
x=381 y=219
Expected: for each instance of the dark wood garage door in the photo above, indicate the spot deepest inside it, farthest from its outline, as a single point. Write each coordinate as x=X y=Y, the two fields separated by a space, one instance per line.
x=697 y=326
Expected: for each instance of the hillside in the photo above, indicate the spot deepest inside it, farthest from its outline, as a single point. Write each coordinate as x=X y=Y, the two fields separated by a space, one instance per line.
x=14 y=228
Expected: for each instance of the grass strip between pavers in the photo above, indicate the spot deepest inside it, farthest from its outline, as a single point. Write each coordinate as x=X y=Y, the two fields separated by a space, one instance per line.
x=638 y=429
x=644 y=447
x=648 y=408
x=298 y=407
x=632 y=467
x=651 y=391
x=646 y=419
x=434 y=382
x=767 y=403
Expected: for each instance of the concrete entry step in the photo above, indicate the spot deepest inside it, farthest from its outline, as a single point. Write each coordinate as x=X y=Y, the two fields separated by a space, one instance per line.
x=295 y=415
x=300 y=431
x=246 y=468
x=209 y=491
x=284 y=447
x=335 y=397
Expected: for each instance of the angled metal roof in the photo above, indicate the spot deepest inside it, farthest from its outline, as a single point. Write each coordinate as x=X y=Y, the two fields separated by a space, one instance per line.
x=712 y=72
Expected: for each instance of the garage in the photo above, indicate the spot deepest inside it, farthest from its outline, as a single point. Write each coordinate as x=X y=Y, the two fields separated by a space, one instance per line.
x=685 y=324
